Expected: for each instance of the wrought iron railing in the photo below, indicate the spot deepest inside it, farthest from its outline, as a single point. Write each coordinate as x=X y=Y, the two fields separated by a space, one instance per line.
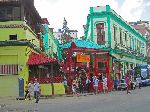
x=126 y=49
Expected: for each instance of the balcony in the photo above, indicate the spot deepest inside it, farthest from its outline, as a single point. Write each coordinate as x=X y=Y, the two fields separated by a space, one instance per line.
x=128 y=50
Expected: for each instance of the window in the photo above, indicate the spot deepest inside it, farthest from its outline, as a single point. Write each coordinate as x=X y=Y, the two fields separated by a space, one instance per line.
x=6 y=13
x=135 y=44
x=121 y=36
x=140 y=47
x=125 y=36
x=114 y=33
x=100 y=33
x=13 y=37
x=130 y=41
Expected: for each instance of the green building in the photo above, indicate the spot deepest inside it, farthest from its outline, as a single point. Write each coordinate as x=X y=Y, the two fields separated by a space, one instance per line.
x=125 y=45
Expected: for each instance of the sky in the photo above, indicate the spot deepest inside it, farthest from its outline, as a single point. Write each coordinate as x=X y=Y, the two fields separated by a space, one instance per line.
x=76 y=11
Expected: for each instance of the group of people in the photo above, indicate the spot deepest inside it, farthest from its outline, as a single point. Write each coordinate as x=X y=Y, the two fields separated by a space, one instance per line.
x=130 y=84
x=85 y=84
x=32 y=89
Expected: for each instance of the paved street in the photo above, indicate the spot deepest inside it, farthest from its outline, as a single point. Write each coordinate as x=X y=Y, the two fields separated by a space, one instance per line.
x=137 y=101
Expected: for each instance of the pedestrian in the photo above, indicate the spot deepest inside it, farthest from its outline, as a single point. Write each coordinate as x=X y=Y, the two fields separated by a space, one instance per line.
x=80 y=83
x=139 y=82
x=31 y=89
x=65 y=85
x=36 y=90
x=131 y=83
x=26 y=90
x=87 y=84
x=104 y=84
x=127 y=83
x=116 y=83
x=74 y=88
x=95 y=81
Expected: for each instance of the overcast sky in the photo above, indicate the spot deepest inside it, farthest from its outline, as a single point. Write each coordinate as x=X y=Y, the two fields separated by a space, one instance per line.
x=76 y=11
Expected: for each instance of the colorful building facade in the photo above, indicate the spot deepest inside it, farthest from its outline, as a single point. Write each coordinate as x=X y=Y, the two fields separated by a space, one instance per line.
x=125 y=45
x=20 y=40
x=50 y=42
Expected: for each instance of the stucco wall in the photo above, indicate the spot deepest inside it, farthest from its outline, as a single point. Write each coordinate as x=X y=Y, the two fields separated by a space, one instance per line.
x=5 y=32
x=133 y=37
x=46 y=89
x=9 y=86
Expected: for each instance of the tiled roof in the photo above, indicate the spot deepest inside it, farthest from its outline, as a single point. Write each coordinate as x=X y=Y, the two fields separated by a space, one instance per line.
x=37 y=59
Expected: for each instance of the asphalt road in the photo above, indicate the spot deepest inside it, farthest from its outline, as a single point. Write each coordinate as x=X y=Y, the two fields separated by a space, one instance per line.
x=137 y=101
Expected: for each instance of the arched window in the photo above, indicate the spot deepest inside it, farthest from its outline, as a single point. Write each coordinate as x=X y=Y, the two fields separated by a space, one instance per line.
x=100 y=33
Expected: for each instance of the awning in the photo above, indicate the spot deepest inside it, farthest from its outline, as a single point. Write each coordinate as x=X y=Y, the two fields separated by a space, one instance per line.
x=37 y=59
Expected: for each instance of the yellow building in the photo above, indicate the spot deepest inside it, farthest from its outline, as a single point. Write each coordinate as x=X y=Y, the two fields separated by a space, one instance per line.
x=20 y=36
x=17 y=41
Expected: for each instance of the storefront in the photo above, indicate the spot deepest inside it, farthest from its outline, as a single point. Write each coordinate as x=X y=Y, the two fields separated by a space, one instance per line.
x=46 y=71
x=91 y=55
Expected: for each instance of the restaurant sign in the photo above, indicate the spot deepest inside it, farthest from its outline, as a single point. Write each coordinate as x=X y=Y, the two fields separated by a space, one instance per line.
x=83 y=58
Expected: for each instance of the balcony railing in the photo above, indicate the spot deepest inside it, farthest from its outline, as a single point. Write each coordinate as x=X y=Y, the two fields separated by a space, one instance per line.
x=123 y=48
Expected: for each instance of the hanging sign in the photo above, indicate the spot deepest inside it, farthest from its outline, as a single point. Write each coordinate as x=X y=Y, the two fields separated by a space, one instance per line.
x=83 y=58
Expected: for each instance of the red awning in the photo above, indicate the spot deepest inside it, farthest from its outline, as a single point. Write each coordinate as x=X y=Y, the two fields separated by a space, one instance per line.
x=36 y=59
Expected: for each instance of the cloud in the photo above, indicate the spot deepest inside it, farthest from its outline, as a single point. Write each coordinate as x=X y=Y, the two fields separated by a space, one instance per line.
x=131 y=10
x=76 y=11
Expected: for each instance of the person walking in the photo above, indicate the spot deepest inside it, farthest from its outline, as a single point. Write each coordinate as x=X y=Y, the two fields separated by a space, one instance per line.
x=87 y=82
x=36 y=90
x=74 y=87
x=104 y=84
x=139 y=82
x=127 y=83
x=80 y=83
x=26 y=90
x=65 y=85
x=96 y=81
x=116 y=83
x=31 y=89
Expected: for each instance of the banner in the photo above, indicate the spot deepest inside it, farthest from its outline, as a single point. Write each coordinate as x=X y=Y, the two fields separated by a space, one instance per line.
x=83 y=58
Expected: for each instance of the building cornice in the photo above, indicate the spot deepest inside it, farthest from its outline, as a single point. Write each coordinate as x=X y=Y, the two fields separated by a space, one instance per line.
x=17 y=25
x=118 y=19
x=19 y=43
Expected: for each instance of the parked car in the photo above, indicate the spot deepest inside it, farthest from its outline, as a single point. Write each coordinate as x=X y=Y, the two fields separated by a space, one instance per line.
x=122 y=85
x=146 y=82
